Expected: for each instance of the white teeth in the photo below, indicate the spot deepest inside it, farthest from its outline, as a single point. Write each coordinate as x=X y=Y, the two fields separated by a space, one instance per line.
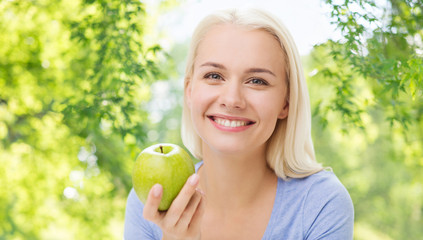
x=228 y=123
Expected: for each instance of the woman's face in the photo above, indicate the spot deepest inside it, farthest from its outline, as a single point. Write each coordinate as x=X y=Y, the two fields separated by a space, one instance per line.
x=238 y=89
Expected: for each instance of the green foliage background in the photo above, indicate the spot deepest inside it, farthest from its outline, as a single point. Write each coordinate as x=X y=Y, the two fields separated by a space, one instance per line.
x=84 y=87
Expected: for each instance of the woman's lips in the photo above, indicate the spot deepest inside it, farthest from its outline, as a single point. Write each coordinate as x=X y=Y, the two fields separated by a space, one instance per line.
x=230 y=123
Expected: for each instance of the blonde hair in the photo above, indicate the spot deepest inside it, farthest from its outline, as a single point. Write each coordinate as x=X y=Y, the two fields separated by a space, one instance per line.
x=290 y=151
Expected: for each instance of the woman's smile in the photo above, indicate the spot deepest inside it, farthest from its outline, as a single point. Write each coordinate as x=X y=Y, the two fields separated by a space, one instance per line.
x=228 y=123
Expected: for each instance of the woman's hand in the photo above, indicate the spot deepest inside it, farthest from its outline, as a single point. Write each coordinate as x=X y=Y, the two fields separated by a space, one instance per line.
x=183 y=219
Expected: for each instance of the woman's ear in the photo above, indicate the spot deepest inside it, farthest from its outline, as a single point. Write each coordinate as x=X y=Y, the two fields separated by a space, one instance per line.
x=187 y=92
x=284 y=112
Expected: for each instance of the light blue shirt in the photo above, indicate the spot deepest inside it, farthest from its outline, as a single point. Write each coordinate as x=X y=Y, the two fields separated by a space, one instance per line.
x=315 y=207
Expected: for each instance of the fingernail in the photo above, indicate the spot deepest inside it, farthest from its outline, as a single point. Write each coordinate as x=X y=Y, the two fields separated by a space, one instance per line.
x=193 y=180
x=157 y=190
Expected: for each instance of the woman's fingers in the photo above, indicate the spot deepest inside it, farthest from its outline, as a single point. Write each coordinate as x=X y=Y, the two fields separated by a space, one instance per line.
x=183 y=219
x=151 y=207
x=195 y=223
x=186 y=217
x=180 y=203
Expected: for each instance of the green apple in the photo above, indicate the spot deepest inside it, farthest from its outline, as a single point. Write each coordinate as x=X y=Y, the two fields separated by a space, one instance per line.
x=166 y=164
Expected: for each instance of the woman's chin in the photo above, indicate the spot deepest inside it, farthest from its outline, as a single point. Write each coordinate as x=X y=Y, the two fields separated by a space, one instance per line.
x=233 y=149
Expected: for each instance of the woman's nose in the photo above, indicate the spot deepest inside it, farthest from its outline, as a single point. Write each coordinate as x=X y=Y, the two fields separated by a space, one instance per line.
x=232 y=96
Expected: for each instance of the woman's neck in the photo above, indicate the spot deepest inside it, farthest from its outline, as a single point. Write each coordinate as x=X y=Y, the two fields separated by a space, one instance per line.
x=235 y=181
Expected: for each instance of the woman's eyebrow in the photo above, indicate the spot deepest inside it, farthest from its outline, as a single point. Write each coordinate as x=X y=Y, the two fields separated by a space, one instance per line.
x=260 y=70
x=212 y=64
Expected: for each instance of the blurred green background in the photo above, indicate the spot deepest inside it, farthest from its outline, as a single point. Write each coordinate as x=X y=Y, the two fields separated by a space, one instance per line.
x=84 y=86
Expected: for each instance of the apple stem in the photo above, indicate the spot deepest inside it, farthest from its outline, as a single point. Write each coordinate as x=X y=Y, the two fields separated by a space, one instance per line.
x=161 y=148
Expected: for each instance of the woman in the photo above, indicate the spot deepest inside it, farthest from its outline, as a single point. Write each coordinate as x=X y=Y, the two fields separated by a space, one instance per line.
x=247 y=118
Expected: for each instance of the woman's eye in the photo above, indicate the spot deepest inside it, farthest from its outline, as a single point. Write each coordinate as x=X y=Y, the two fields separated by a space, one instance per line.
x=257 y=81
x=214 y=76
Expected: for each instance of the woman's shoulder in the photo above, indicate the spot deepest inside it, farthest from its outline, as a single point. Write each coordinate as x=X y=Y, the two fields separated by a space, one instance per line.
x=317 y=190
x=325 y=188
x=320 y=202
x=328 y=209
x=323 y=181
